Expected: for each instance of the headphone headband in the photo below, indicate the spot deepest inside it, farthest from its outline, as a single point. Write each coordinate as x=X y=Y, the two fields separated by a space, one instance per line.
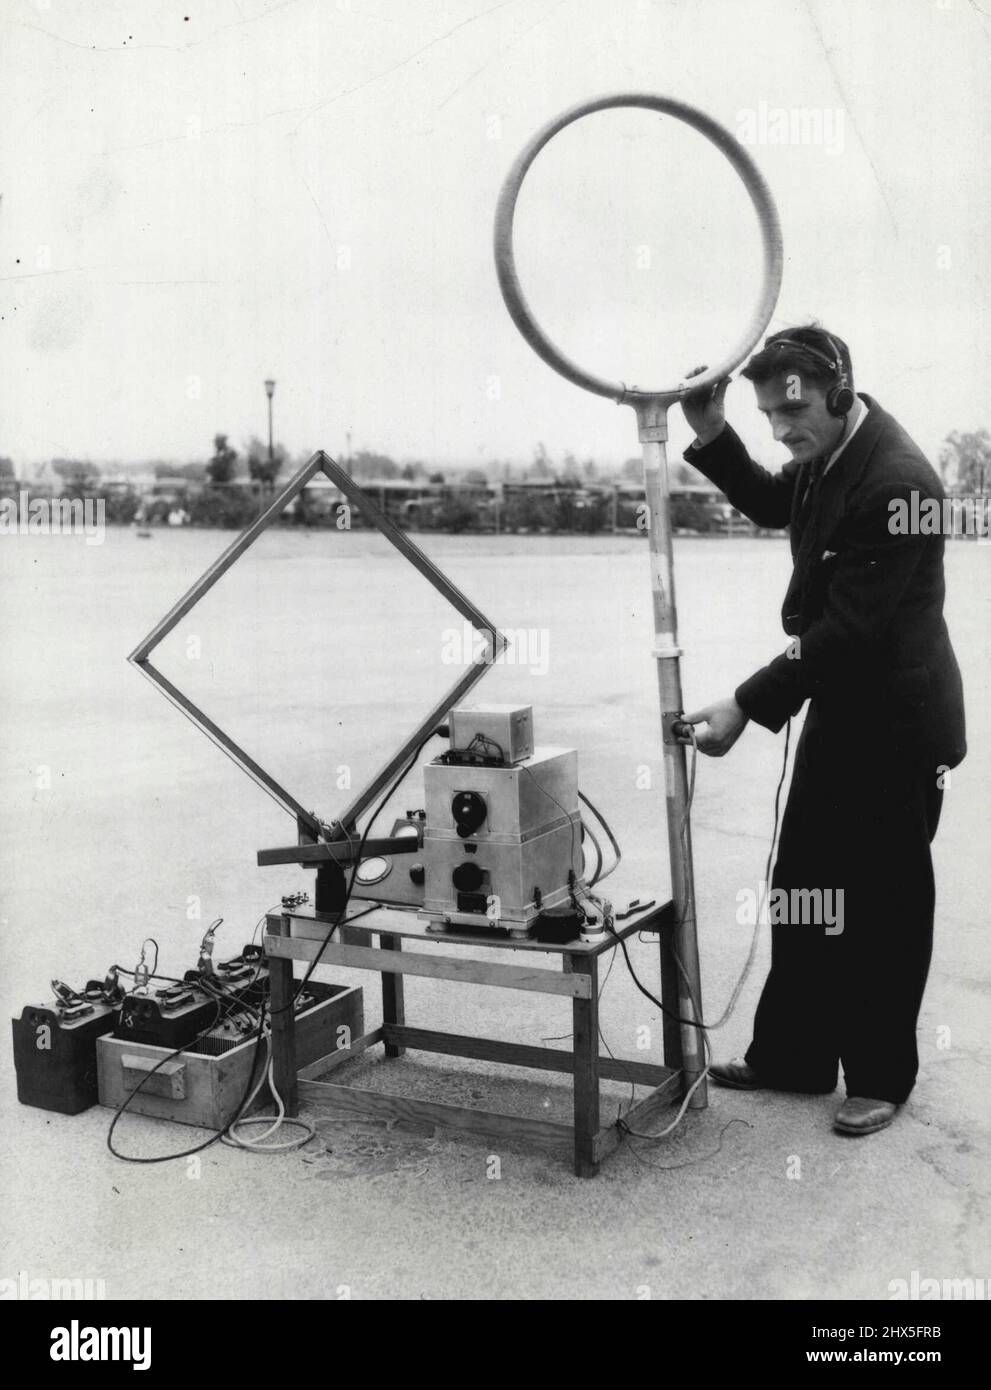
x=839 y=396
x=834 y=363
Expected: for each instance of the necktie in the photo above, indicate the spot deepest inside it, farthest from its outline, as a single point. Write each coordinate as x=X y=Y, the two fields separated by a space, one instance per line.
x=811 y=488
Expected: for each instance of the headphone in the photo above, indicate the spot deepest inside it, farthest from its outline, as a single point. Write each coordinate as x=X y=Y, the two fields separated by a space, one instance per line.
x=839 y=396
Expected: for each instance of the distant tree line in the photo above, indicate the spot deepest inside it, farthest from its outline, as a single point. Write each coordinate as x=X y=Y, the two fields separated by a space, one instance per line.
x=228 y=491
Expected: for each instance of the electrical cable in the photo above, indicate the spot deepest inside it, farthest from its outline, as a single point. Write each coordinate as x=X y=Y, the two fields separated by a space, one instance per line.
x=262 y=919
x=563 y=1037
x=698 y=1022
x=169 y=979
x=669 y=1013
x=550 y=795
x=689 y=1162
x=246 y=1097
x=598 y=853
x=598 y=876
x=257 y=1144
x=387 y=796
x=611 y=837
x=231 y=1137
x=625 y=1129
x=196 y=1148
x=620 y=1061
x=235 y=1005
x=683 y=831
x=703 y=1027
x=752 y=953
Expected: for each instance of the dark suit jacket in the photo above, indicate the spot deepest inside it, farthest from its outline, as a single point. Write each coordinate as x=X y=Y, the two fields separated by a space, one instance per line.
x=865 y=603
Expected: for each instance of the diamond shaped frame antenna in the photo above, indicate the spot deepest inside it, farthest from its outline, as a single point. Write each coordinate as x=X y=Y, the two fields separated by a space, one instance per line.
x=307 y=822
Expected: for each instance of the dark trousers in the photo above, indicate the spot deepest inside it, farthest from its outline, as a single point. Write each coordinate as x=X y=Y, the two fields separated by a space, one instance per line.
x=861 y=815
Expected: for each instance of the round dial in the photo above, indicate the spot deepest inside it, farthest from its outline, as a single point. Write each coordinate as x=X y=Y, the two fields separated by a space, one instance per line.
x=373 y=870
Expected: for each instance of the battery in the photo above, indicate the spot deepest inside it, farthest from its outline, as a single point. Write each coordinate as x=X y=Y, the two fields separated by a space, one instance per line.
x=244 y=976
x=171 y=1017
x=55 y=1054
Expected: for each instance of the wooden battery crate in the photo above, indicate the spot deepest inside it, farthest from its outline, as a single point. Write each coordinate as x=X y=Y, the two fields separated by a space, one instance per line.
x=198 y=1089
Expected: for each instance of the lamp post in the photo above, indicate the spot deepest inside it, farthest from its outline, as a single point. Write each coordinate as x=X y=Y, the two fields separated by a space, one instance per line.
x=270 y=392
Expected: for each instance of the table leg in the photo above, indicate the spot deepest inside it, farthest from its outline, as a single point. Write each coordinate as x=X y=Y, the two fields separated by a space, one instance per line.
x=393 y=998
x=586 y=1050
x=674 y=1056
x=283 y=1032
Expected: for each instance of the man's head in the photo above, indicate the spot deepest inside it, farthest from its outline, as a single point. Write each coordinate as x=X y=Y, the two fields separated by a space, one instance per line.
x=794 y=375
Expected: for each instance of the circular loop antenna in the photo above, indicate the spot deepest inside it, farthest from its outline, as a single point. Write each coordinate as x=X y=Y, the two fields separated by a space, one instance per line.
x=760 y=196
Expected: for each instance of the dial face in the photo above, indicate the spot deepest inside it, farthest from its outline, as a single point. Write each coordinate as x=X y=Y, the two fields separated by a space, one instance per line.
x=373 y=870
x=405 y=830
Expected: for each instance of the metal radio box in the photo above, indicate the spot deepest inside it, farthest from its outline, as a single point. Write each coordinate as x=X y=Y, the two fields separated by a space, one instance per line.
x=514 y=801
x=502 y=884
x=501 y=843
x=509 y=727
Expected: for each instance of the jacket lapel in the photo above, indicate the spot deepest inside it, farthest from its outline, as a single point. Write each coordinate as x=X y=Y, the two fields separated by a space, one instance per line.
x=835 y=486
x=807 y=542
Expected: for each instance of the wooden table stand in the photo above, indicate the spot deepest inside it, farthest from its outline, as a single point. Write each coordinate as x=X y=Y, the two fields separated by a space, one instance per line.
x=300 y=934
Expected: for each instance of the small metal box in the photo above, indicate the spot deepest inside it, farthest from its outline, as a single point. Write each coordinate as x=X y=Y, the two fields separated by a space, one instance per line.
x=510 y=727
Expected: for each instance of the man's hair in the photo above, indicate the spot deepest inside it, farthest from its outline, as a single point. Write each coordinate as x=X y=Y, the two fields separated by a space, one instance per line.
x=782 y=354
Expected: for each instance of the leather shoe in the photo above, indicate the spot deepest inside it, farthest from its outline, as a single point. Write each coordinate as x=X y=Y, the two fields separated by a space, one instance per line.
x=861 y=1115
x=738 y=1075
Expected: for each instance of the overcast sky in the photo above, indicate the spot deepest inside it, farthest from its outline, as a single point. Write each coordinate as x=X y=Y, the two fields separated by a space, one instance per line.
x=199 y=195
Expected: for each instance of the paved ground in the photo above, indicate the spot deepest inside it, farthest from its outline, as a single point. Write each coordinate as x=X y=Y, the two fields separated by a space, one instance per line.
x=119 y=820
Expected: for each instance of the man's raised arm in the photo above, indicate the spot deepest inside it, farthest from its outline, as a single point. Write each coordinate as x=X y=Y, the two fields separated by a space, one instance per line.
x=719 y=453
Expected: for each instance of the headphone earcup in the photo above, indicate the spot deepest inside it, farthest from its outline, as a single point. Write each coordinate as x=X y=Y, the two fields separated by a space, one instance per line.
x=839 y=400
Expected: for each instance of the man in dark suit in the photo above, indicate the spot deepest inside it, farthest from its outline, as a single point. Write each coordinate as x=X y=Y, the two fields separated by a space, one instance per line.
x=871 y=654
